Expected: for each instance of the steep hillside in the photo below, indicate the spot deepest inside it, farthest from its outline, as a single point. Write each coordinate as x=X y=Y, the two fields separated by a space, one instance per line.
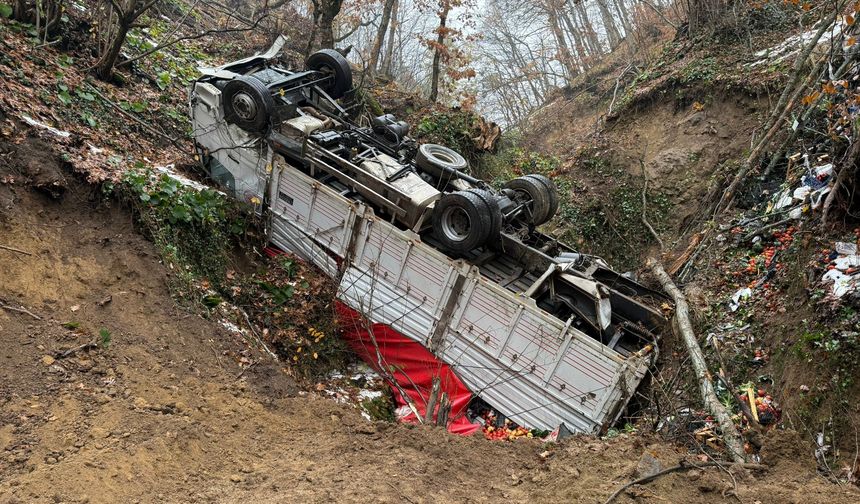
x=150 y=351
x=661 y=145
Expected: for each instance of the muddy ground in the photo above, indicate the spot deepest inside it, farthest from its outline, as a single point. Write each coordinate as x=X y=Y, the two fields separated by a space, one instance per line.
x=164 y=412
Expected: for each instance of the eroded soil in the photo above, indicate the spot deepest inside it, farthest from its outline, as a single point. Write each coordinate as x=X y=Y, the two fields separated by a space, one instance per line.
x=165 y=414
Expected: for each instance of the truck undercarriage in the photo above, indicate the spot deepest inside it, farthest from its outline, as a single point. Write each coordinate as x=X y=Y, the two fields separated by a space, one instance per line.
x=543 y=333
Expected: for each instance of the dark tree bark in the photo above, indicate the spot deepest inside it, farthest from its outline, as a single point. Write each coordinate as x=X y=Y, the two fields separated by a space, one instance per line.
x=576 y=35
x=707 y=14
x=323 y=30
x=380 y=34
x=608 y=24
x=126 y=12
x=48 y=19
x=439 y=49
x=551 y=7
x=590 y=35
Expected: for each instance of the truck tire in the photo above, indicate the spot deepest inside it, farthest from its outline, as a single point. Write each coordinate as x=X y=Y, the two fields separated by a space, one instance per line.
x=552 y=193
x=495 y=214
x=437 y=159
x=534 y=192
x=248 y=104
x=462 y=221
x=332 y=62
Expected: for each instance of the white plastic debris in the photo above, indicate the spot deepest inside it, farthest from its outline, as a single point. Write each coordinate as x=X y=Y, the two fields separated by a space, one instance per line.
x=54 y=131
x=783 y=200
x=842 y=283
x=845 y=262
x=801 y=192
x=740 y=295
x=816 y=198
x=846 y=248
x=824 y=170
x=795 y=213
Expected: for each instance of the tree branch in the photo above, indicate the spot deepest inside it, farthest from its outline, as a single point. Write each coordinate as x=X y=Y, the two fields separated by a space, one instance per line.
x=188 y=37
x=356 y=27
x=731 y=437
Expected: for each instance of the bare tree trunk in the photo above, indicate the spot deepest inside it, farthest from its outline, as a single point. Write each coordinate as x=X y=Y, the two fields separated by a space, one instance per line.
x=623 y=15
x=564 y=51
x=21 y=11
x=581 y=52
x=324 y=13
x=437 y=53
x=731 y=437
x=104 y=67
x=392 y=30
x=380 y=35
x=608 y=24
x=590 y=35
x=126 y=12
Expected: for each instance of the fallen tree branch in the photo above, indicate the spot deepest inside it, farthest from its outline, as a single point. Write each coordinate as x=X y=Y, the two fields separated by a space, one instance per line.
x=13 y=249
x=731 y=436
x=257 y=336
x=767 y=227
x=786 y=102
x=848 y=169
x=680 y=467
x=72 y=351
x=20 y=310
x=189 y=37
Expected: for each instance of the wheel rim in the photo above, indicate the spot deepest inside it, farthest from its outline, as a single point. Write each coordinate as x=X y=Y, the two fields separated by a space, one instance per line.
x=444 y=157
x=456 y=224
x=244 y=106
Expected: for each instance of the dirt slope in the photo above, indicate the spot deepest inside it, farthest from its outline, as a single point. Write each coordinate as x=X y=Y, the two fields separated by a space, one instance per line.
x=163 y=415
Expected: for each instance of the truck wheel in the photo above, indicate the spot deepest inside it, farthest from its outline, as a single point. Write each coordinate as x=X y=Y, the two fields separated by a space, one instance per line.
x=495 y=213
x=551 y=191
x=248 y=104
x=332 y=62
x=437 y=159
x=462 y=221
x=535 y=194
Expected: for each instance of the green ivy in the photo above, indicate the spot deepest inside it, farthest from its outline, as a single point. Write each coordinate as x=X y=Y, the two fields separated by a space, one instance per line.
x=191 y=228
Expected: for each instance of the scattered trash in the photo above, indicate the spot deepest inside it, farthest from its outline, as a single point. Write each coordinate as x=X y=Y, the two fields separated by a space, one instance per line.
x=740 y=295
x=846 y=248
x=809 y=195
x=360 y=387
x=843 y=268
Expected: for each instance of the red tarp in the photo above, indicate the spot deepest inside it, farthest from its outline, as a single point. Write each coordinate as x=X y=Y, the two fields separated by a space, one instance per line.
x=411 y=365
x=409 y=362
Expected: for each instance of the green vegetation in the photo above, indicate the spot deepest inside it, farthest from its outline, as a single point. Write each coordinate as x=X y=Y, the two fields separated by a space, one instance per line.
x=292 y=303
x=104 y=337
x=703 y=70
x=192 y=229
x=453 y=128
x=379 y=408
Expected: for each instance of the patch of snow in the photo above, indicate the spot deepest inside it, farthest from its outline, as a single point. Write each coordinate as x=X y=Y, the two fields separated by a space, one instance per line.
x=792 y=45
x=54 y=131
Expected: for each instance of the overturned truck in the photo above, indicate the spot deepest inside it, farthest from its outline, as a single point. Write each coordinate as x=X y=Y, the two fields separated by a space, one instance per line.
x=544 y=334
